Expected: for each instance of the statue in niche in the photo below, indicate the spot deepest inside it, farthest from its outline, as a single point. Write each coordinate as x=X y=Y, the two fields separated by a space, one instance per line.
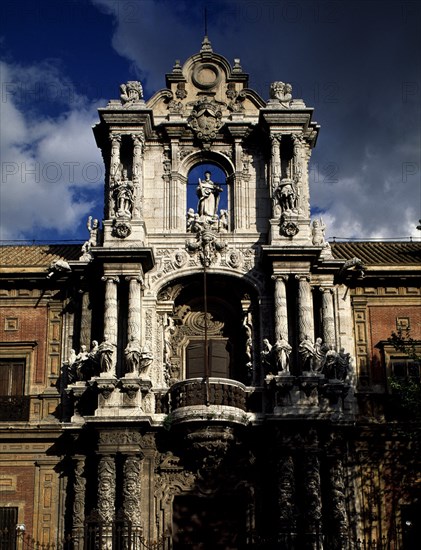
x=131 y=92
x=286 y=195
x=133 y=355
x=208 y=193
x=123 y=196
x=282 y=351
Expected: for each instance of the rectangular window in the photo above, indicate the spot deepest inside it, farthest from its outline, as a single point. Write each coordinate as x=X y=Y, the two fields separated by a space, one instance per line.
x=12 y=374
x=8 y=522
x=404 y=367
x=218 y=358
x=14 y=405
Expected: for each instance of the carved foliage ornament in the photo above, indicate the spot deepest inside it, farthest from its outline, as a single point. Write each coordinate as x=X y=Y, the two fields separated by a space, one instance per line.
x=205 y=119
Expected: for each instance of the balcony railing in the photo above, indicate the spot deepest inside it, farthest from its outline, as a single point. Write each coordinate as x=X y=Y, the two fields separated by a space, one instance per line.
x=214 y=391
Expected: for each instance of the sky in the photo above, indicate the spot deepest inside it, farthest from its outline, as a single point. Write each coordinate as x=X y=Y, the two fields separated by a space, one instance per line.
x=358 y=63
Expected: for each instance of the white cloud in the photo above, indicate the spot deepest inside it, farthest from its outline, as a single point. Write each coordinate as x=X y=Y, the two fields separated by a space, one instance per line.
x=48 y=163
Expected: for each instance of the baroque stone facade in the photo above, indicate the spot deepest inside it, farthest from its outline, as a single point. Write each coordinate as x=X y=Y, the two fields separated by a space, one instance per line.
x=208 y=371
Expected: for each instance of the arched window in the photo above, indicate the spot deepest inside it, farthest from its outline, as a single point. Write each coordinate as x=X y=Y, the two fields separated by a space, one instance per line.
x=207 y=197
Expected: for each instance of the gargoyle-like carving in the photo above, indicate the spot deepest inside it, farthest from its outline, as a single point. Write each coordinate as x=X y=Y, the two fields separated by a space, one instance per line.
x=205 y=119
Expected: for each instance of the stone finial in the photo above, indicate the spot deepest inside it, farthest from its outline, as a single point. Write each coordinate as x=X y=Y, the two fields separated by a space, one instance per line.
x=206 y=45
x=237 y=66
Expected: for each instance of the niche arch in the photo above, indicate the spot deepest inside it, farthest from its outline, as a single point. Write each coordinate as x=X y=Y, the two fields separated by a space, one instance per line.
x=216 y=207
x=232 y=328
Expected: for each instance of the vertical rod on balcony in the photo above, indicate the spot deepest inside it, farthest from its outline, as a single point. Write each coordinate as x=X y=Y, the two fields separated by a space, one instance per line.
x=205 y=307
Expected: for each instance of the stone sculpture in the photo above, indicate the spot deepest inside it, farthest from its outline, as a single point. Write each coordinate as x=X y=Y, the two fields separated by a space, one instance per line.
x=131 y=92
x=133 y=356
x=93 y=228
x=208 y=193
x=282 y=351
x=106 y=354
x=282 y=92
x=306 y=350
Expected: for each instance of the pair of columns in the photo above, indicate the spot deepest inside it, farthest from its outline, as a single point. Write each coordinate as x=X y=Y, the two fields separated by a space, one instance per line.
x=138 y=141
x=305 y=310
x=134 y=317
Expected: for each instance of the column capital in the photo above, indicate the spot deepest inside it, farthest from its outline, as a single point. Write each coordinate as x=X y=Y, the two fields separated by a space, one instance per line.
x=326 y=289
x=303 y=277
x=280 y=276
x=112 y=278
x=115 y=137
x=137 y=278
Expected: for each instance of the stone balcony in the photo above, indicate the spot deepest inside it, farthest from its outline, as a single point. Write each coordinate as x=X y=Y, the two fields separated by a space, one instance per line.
x=214 y=399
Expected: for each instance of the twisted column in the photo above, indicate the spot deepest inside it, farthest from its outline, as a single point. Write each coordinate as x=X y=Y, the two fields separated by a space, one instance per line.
x=328 y=319
x=281 y=313
x=305 y=308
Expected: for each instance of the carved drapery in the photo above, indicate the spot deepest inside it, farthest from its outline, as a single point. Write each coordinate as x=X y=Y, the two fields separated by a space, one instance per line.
x=106 y=488
x=79 y=486
x=305 y=308
x=134 y=311
x=281 y=313
x=110 y=308
x=131 y=488
x=328 y=320
x=137 y=174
